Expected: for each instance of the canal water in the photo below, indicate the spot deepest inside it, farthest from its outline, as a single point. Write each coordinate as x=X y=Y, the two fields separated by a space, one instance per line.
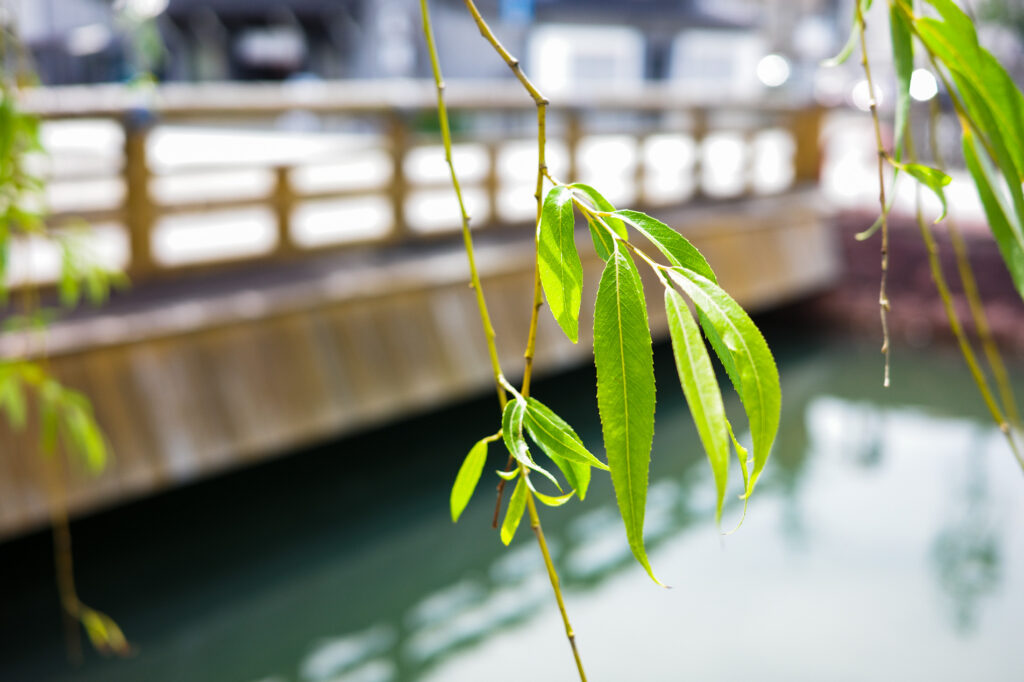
x=885 y=542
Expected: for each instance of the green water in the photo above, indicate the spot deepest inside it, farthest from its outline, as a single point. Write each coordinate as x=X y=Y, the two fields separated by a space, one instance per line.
x=886 y=542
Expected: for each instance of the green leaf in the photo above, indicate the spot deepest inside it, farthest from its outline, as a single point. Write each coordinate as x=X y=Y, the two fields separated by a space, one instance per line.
x=903 y=61
x=553 y=433
x=676 y=248
x=550 y=500
x=516 y=506
x=561 y=272
x=12 y=400
x=603 y=242
x=561 y=444
x=1007 y=239
x=625 y=391
x=932 y=178
x=700 y=386
x=983 y=120
x=601 y=204
x=851 y=42
x=756 y=377
x=512 y=433
x=508 y=475
x=83 y=433
x=468 y=477
x=955 y=42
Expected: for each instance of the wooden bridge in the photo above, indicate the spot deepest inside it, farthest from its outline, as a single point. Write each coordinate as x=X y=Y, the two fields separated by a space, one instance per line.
x=336 y=316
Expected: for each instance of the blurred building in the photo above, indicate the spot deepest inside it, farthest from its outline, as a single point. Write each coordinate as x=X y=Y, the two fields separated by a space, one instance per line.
x=712 y=45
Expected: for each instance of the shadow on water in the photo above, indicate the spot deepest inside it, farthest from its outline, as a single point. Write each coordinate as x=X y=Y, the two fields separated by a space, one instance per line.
x=340 y=563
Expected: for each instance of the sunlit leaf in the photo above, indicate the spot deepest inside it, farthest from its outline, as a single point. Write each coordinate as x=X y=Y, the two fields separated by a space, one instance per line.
x=756 y=377
x=625 y=391
x=601 y=204
x=468 y=477
x=561 y=444
x=676 y=248
x=550 y=500
x=603 y=242
x=547 y=428
x=508 y=475
x=516 y=507
x=932 y=178
x=512 y=433
x=700 y=386
x=561 y=272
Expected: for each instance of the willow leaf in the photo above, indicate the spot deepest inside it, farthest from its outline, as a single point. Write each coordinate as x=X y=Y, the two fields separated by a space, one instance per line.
x=625 y=391
x=603 y=242
x=561 y=444
x=903 y=61
x=601 y=204
x=756 y=374
x=544 y=426
x=468 y=477
x=932 y=178
x=700 y=386
x=955 y=42
x=516 y=506
x=851 y=41
x=676 y=248
x=550 y=500
x=512 y=434
x=561 y=272
x=983 y=120
x=1007 y=239
x=12 y=400
x=508 y=475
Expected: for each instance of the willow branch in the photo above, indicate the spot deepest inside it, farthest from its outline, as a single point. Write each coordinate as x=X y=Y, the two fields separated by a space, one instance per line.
x=538 y=300
x=883 y=297
x=531 y=343
x=553 y=577
x=467 y=237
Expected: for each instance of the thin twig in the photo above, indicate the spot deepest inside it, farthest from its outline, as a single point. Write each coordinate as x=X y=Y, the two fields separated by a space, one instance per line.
x=467 y=237
x=883 y=297
x=553 y=577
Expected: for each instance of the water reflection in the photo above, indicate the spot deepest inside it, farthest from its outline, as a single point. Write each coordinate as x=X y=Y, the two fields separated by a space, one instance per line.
x=967 y=552
x=901 y=518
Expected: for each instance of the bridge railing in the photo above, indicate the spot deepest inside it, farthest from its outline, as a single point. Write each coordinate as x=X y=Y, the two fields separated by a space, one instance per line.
x=366 y=166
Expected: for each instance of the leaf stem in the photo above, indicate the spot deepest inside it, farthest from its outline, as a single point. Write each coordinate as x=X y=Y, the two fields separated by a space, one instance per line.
x=555 y=583
x=883 y=297
x=971 y=293
x=467 y=238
